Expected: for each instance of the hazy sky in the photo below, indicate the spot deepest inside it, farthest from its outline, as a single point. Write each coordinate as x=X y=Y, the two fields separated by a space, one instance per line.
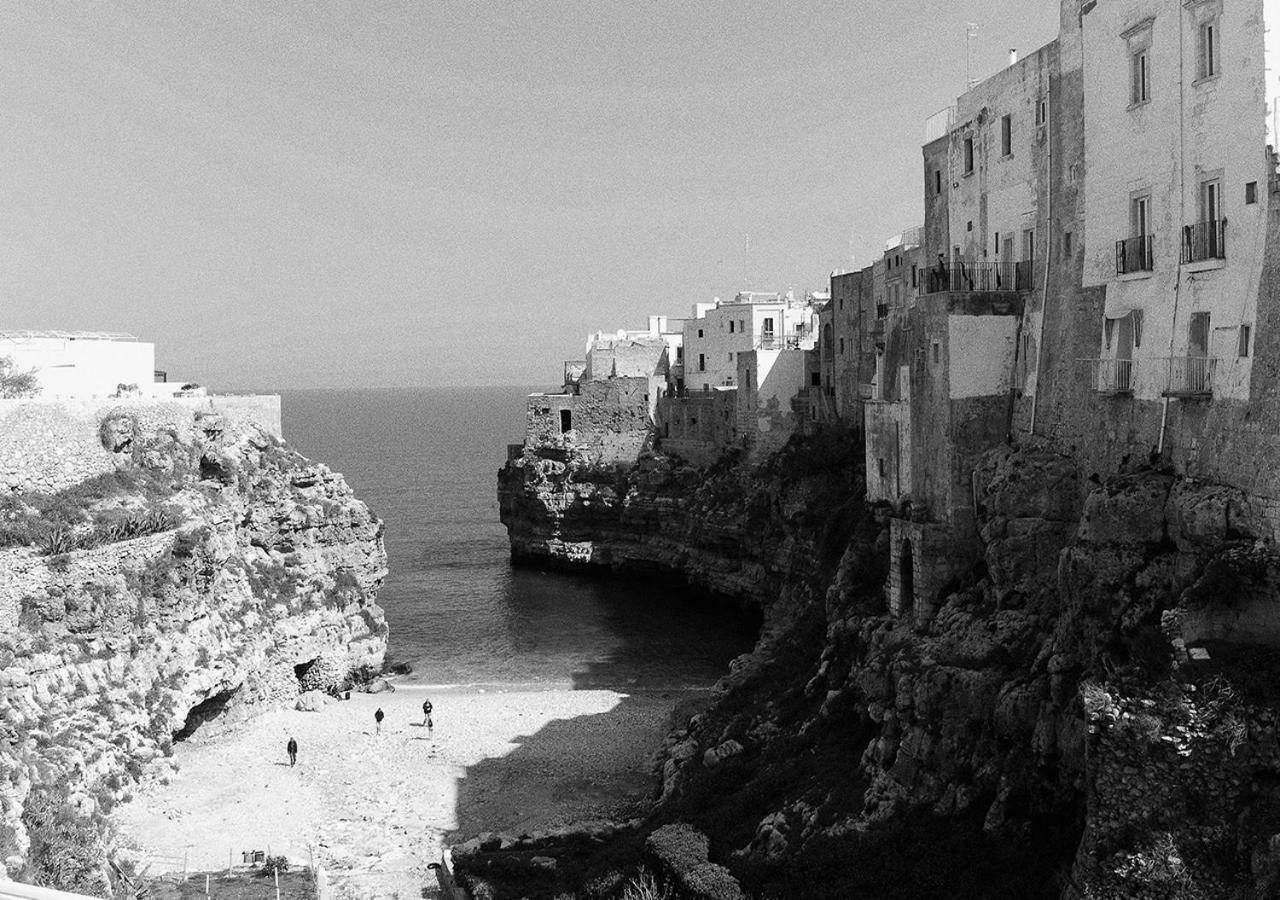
x=296 y=194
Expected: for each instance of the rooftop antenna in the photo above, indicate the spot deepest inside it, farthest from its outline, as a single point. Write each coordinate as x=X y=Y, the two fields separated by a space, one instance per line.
x=970 y=32
x=746 y=257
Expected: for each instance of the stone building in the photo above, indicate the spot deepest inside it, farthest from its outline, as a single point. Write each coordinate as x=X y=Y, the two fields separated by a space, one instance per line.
x=718 y=332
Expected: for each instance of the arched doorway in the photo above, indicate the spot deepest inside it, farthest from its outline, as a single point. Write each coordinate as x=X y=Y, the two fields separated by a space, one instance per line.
x=906 y=579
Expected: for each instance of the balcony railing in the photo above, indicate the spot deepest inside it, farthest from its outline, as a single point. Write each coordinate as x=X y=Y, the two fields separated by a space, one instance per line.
x=770 y=341
x=1113 y=376
x=1191 y=376
x=1204 y=240
x=1134 y=255
x=965 y=276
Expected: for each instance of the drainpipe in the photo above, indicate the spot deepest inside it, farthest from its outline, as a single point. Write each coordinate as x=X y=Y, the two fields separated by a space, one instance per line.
x=1182 y=210
x=1048 y=249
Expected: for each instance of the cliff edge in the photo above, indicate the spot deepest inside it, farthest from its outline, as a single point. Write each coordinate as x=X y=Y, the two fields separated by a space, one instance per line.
x=201 y=572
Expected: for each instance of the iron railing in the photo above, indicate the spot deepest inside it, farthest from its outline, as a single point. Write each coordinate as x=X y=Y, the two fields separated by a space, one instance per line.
x=1204 y=240
x=966 y=276
x=770 y=341
x=1191 y=376
x=1113 y=376
x=1134 y=255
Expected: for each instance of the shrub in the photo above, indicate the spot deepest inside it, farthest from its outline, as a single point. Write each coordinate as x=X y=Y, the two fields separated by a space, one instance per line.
x=14 y=384
x=644 y=887
x=67 y=851
x=273 y=864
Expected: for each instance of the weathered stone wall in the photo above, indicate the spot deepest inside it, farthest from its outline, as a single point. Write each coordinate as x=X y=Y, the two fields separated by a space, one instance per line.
x=48 y=446
x=610 y=420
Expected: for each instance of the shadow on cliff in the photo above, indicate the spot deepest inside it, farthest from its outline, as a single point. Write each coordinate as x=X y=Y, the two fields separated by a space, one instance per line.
x=662 y=657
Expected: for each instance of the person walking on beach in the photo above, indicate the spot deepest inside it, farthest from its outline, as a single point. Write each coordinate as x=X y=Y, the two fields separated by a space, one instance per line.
x=426 y=715
x=292 y=749
x=377 y=720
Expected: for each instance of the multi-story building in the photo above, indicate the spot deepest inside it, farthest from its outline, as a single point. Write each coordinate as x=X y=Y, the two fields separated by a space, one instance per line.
x=751 y=321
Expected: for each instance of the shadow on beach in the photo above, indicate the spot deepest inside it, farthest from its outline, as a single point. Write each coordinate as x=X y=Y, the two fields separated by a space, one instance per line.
x=600 y=766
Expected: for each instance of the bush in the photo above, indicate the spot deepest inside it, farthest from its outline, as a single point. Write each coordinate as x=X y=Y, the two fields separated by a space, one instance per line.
x=67 y=851
x=273 y=864
x=16 y=385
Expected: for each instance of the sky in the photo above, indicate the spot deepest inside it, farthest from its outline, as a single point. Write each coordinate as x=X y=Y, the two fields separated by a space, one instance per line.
x=287 y=195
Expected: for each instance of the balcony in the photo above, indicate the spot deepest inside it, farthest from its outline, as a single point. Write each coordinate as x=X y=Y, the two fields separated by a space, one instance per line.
x=770 y=341
x=1113 y=377
x=1190 y=377
x=965 y=276
x=1204 y=241
x=1134 y=255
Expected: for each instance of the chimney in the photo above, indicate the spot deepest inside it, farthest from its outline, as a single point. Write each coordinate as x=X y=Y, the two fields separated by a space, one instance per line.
x=1013 y=55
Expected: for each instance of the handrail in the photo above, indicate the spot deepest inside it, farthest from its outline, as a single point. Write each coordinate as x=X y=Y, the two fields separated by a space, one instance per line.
x=1134 y=254
x=1204 y=241
x=966 y=276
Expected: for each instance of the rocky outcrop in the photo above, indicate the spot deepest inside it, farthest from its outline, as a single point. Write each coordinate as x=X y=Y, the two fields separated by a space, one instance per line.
x=116 y=649
x=1088 y=713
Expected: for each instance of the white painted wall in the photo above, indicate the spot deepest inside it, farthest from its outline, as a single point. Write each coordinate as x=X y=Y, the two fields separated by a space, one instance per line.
x=1189 y=129
x=736 y=327
x=980 y=351
x=81 y=367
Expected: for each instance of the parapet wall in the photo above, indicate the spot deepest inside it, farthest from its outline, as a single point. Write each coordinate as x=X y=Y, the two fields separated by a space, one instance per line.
x=49 y=446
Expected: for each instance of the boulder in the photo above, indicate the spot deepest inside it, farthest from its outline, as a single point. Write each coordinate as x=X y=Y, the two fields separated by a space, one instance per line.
x=310 y=701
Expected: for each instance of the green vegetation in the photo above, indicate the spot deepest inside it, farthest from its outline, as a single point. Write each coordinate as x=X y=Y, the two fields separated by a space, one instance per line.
x=14 y=384
x=67 y=850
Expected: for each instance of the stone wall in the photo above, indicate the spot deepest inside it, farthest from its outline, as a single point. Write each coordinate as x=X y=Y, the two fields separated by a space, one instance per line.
x=49 y=446
x=608 y=420
x=698 y=426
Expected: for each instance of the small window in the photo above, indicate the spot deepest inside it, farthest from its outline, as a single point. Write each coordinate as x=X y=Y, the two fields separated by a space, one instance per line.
x=815 y=379
x=969 y=225
x=937 y=181
x=1245 y=333
x=566 y=420
x=1140 y=90
x=1006 y=136
x=699 y=332
x=1208 y=49
x=730 y=356
x=1251 y=192
x=937 y=352
x=702 y=362
x=1042 y=111
x=880 y=465
x=842 y=346
x=1066 y=243
x=968 y=155
x=731 y=324
x=913 y=275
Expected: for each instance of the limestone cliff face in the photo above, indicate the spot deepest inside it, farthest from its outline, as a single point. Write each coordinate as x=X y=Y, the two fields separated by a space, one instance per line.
x=266 y=566
x=1087 y=714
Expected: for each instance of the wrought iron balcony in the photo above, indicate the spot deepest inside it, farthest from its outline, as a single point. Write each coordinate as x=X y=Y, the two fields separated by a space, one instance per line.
x=1113 y=376
x=1204 y=240
x=1134 y=255
x=1191 y=376
x=987 y=276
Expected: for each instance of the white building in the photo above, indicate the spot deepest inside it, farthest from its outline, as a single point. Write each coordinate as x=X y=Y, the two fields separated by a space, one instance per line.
x=719 y=332
x=1177 y=108
x=81 y=363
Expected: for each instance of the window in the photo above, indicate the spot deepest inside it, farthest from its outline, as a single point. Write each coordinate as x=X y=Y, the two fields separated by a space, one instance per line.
x=1066 y=243
x=680 y=354
x=937 y=181
x=1140 y=91
x=815 y=379
x=1210 y=200
x=742 y=325
x=1208 y=49
x=1243 y=349
x=1042 y=111
x=841 y=346
x=1251 y=192
x=914 y=271
x=731 y=324
x=880 y=465
x=702 y=362
x=566 y=420
x=968 y=155
x=969 y=225
x=1006 y=136
x=1029 y=243
x=1140 y=215
x=937 y=352
x=730 y=356
x=699 y=332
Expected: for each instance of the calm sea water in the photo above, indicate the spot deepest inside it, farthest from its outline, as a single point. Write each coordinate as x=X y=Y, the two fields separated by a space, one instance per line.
x=426 y=461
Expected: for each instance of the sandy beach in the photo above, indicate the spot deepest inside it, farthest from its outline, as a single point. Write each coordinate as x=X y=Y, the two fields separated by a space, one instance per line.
x=374 y=809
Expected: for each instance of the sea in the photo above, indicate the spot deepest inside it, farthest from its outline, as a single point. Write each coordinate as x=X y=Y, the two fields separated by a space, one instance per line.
x=461 y=615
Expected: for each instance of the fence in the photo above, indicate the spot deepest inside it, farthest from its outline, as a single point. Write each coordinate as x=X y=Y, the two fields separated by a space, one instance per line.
x=966 y=276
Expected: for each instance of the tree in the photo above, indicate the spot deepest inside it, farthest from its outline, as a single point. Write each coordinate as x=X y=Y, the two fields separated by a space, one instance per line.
x=14 y=384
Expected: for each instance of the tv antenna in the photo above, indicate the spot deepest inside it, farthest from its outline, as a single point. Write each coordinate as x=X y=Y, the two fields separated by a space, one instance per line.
x=970 y=32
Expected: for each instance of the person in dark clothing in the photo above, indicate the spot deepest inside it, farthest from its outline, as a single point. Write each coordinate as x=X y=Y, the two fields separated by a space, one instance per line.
x=377 y=719
x=292 y=748
x=426 y=714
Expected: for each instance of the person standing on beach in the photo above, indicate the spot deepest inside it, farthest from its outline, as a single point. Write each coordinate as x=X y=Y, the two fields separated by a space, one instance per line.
x=426 y=714
x=292 y=749
x=377 y=720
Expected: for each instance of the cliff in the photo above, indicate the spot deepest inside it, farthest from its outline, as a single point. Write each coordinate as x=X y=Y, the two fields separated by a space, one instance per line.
x=209 y=572
x=1088 y=713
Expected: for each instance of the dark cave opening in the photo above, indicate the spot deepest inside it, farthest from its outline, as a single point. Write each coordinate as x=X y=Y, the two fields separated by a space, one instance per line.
x=301 y=669
x=205 y=711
